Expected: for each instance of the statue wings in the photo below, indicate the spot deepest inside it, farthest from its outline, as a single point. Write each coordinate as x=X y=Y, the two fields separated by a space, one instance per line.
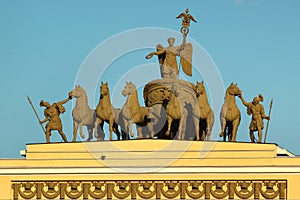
x=188 y=16
x=186 y=59
x=193 y=19
x=180 y=15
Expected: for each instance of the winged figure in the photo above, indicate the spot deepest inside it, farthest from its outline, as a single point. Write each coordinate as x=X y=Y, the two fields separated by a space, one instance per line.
x=167 y=58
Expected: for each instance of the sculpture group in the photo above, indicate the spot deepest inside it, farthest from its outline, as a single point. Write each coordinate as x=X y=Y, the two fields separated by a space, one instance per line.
x=174 y=102
x=174 y=108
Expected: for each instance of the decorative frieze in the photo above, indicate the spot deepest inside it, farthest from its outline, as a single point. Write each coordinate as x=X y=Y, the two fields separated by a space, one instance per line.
x=179 y=189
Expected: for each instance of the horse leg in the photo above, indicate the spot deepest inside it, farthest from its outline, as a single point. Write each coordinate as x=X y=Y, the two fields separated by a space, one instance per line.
x=223 y=127
x=169 y=119
x=75 y=127
x=225 y=134
x=80 y=130
x=90 y=132
x=139 y=131
x=201 y=130
x=126 y=128
x=202 y=133
x=182 y=126
x=125 y=136
x=116 y=130
x=210 y=124
x=196 y=122
x=152 y=122
x=101 y=134
x=130 y=128
x=180 y=132
x=96 y=124
x=229 y=131
x=235 y=125
x=150 y=129
x=111 y=124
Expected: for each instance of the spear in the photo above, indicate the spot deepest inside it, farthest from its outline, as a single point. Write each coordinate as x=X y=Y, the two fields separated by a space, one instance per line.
x=267 y=128
x=37 y=116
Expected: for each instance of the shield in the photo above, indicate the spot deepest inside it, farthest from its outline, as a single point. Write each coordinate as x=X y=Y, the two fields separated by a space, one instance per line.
x=186 y=59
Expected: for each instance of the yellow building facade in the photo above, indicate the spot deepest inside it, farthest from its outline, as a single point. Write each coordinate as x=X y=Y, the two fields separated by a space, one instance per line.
x=151 y=169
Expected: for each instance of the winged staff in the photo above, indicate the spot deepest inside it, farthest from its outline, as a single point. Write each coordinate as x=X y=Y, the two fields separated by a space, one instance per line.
x=186 y=20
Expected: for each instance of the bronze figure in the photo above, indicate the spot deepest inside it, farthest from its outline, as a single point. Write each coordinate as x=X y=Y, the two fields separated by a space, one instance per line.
x=257 y=111
x=52 y=116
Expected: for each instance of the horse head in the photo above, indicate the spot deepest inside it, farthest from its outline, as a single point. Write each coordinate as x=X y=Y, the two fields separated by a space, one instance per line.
x=104 y=90
x=233 y=89
x=129 y=89
x=76 y=92
x=200 y=89
x=166 y=94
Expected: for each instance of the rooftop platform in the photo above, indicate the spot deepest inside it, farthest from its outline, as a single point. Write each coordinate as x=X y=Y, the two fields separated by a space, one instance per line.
x=161 y=168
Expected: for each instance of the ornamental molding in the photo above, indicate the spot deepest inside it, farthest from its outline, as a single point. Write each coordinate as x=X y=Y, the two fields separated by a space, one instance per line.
x=156 y=189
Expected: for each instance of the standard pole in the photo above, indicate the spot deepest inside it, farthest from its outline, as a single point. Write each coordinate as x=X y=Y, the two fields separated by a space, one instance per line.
x=37 y=116
x=267 y=128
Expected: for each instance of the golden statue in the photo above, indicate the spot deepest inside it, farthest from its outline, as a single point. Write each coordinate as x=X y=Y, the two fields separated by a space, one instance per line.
x=167 y=58
x=52 y=113
x=257 y=111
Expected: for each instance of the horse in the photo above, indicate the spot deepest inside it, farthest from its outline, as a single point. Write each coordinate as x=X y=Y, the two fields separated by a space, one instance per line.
x=230 y=115
x=173 y=109
x=82 y=114
x=181 y=106
x=132 y=112
x=105 y=112
x=207 y=117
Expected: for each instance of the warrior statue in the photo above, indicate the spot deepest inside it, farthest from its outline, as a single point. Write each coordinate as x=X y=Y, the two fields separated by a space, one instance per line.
x=52 y=113
x=255 y=109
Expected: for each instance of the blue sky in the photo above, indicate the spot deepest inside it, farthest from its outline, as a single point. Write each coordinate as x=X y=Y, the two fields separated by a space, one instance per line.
x=43 y=44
